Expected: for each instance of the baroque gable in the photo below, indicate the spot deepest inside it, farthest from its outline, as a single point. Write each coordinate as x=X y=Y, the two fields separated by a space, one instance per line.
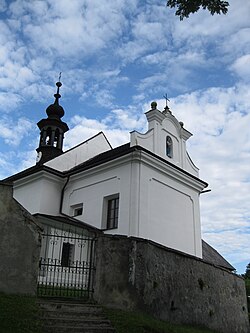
x=166 y=137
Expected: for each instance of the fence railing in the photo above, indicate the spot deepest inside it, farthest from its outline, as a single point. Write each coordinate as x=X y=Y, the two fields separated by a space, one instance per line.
x=57 y=280
x=67 y=265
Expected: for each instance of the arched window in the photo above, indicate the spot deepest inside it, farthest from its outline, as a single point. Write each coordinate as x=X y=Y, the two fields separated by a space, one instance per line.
x=169 y=147
x=56 y=139
x=48 y=137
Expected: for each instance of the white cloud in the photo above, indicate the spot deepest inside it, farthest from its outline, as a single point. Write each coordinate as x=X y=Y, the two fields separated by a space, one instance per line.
x=9 y=101
x=40 y=36
x=126 y=119
x=203 y=24
x=83 y=128
x=234 y=245
x=241 y=66
x=7 y=166
x=13 y=132
x=14 y=77
x=6 y=34
x=236 y=44
x=207 y=111
x=116 y=125
x=149 y=31
x=3 y=5
x=39 y=92
x=177 y=65
x=27 y=159
x=71 y=28
x=103 y=97
x=14 y=161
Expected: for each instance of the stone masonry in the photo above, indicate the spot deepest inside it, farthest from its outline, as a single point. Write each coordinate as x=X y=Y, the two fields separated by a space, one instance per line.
x=19 y=246
x=139 y=275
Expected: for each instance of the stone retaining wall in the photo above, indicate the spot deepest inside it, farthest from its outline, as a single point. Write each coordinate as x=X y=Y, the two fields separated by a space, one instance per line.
x=19 y=246
x=139 y=275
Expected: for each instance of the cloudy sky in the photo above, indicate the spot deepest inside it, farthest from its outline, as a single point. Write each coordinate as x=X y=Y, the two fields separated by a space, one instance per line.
x=116 y=57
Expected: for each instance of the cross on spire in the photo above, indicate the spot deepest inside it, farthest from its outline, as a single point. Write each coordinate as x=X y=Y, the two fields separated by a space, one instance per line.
x=166 y=109
x=167 y=100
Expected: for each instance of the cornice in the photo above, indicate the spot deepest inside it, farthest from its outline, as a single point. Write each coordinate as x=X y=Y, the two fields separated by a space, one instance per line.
x=40 y=175
x=141 y=155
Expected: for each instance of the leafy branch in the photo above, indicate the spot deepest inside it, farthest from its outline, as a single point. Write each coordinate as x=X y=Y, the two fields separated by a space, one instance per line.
x=187 y=7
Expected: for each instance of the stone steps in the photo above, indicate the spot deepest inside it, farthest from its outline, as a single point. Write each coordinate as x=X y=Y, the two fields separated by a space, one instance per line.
x=69 y=315
x=63 y=329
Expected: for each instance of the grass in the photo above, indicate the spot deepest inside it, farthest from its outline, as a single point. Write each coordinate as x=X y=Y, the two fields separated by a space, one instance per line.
x=131 y=322
x=18 y=314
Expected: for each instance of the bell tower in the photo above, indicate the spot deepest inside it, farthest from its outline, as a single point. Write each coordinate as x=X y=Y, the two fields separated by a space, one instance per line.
x=52 y=131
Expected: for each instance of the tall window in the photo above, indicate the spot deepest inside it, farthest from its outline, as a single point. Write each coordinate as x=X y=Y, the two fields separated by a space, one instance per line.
x=67 y=254
x=169 y=147
x=112 y=213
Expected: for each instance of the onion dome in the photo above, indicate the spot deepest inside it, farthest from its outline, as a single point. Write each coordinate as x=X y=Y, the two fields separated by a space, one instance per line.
x=55 y=111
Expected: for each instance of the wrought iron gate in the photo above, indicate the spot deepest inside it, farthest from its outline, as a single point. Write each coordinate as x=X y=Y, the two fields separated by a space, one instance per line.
x=66 y=266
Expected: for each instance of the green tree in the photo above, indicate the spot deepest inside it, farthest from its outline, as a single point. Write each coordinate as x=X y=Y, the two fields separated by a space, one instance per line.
x=247 y=274
x=186 y=7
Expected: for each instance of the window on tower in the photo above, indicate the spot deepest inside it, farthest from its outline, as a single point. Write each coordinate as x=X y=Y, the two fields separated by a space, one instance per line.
x=56 y=140
x=48 y=137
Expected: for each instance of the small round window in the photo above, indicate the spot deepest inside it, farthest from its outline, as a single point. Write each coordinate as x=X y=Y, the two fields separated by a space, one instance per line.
x=169 y=147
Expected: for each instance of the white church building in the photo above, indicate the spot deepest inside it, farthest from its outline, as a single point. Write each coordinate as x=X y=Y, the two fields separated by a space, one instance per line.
x=122 y=225
x=147 y=188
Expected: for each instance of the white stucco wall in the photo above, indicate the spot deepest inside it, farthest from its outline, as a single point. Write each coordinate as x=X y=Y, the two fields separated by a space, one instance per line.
x=157 y=202
x=90 y=188
x=39 y=193
x=169 y=212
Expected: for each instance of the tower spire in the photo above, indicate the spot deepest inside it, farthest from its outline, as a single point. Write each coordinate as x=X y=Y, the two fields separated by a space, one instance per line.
x=58 y=84
x=52 y=130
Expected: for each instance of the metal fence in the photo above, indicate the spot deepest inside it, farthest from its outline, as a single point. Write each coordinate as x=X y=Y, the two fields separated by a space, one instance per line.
x=66 y=266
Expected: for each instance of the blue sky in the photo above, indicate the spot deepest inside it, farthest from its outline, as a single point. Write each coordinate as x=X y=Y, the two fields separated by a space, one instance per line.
x=116 y=57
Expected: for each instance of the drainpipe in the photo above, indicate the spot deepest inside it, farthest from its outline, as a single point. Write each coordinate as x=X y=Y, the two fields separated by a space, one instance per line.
x=62 y=196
